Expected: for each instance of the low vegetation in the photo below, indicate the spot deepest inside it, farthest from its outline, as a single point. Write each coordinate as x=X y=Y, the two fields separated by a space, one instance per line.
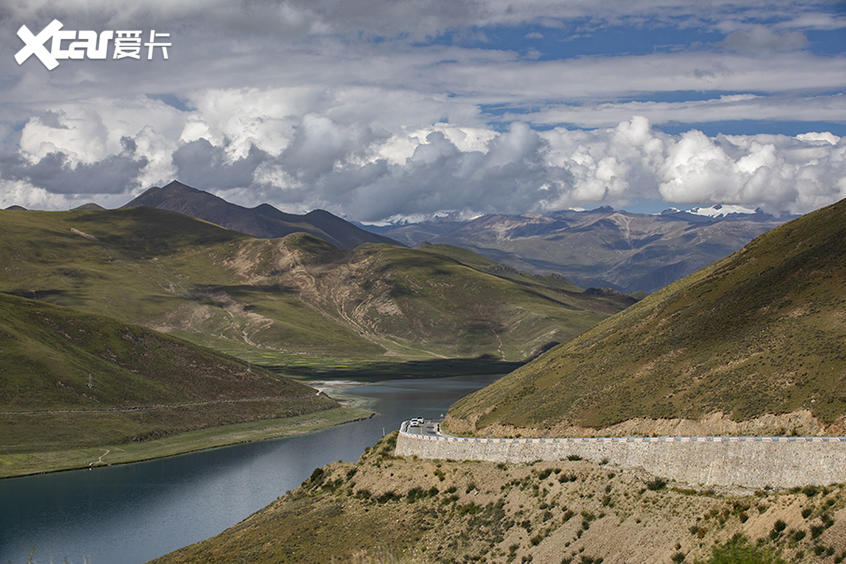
x=72 y=381
x=387 y=509
x=28 y=461
x=295 y=301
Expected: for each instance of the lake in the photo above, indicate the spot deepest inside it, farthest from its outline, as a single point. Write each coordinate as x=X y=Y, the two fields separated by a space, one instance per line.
x=136 y=512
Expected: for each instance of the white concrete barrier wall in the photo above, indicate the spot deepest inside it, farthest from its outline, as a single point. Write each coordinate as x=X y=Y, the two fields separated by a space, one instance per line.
x=780 y=462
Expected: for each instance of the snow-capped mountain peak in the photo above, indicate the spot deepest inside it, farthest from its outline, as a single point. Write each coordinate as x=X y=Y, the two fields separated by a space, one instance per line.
x=721 y=210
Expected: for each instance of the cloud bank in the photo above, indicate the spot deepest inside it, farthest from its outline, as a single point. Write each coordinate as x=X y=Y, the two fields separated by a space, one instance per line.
x=378 y=110
x=331 y=160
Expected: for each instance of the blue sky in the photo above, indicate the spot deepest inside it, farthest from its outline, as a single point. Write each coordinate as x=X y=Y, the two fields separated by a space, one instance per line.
x=399 y=110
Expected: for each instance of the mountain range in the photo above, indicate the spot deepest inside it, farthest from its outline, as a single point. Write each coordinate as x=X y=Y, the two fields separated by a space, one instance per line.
x=603 y=247
x=295 y=299
x=263 y=221
x=758 y=334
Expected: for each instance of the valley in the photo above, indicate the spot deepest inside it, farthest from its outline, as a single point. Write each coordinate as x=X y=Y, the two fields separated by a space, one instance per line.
x=725 y=348
x=603 y=364
x=460 y=282
x=106 y=313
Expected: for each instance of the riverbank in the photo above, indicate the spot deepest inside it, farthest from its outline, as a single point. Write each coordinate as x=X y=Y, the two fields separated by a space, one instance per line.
x=23 y=464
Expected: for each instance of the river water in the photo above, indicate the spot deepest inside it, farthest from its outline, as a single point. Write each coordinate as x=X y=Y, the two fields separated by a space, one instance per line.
x=135 y=512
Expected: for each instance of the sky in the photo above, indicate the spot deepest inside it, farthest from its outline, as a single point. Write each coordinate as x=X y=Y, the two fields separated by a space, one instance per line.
x=399 y=110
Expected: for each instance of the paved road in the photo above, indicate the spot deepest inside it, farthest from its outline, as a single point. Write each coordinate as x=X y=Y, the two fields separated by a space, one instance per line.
x=432 y=428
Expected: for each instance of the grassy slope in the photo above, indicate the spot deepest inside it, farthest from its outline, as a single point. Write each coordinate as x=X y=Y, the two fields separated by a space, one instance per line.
x=108 y=453
x=145 y=385
x=762 y=331
x=456 y=309
x=159 y=269
x=272 y=301
x=385 y=509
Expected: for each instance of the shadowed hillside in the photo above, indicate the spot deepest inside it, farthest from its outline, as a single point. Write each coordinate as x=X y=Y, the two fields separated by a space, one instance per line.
x=70 y=380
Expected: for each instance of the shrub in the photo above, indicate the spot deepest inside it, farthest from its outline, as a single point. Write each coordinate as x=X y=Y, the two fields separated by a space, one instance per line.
x=740 y=550
x=656 y=484
x=536 y=539
x=414 y=494
x=574 y=457
x=810 y=491
x=827 y=520
x=388 y=496
x=468 y=509
x=316 y=477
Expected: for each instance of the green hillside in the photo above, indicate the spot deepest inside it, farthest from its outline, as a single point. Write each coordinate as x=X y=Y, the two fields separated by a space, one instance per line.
x=761 y=331
x=72 y=380
x=293 y=300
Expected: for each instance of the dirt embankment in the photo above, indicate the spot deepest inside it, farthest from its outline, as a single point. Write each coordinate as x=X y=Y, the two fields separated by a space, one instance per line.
x=389 y=509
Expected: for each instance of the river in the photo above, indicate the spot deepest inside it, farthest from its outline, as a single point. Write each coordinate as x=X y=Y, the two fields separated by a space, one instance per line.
x=135 y=512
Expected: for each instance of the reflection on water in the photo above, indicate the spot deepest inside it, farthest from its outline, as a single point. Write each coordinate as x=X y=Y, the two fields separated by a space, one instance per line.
x=139 y=511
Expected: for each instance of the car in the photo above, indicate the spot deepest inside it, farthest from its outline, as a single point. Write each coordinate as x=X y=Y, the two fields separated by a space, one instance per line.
x=416 y=422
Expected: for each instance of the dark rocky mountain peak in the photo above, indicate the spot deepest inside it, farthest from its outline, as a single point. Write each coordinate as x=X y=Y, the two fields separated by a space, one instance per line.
x=263 y=221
